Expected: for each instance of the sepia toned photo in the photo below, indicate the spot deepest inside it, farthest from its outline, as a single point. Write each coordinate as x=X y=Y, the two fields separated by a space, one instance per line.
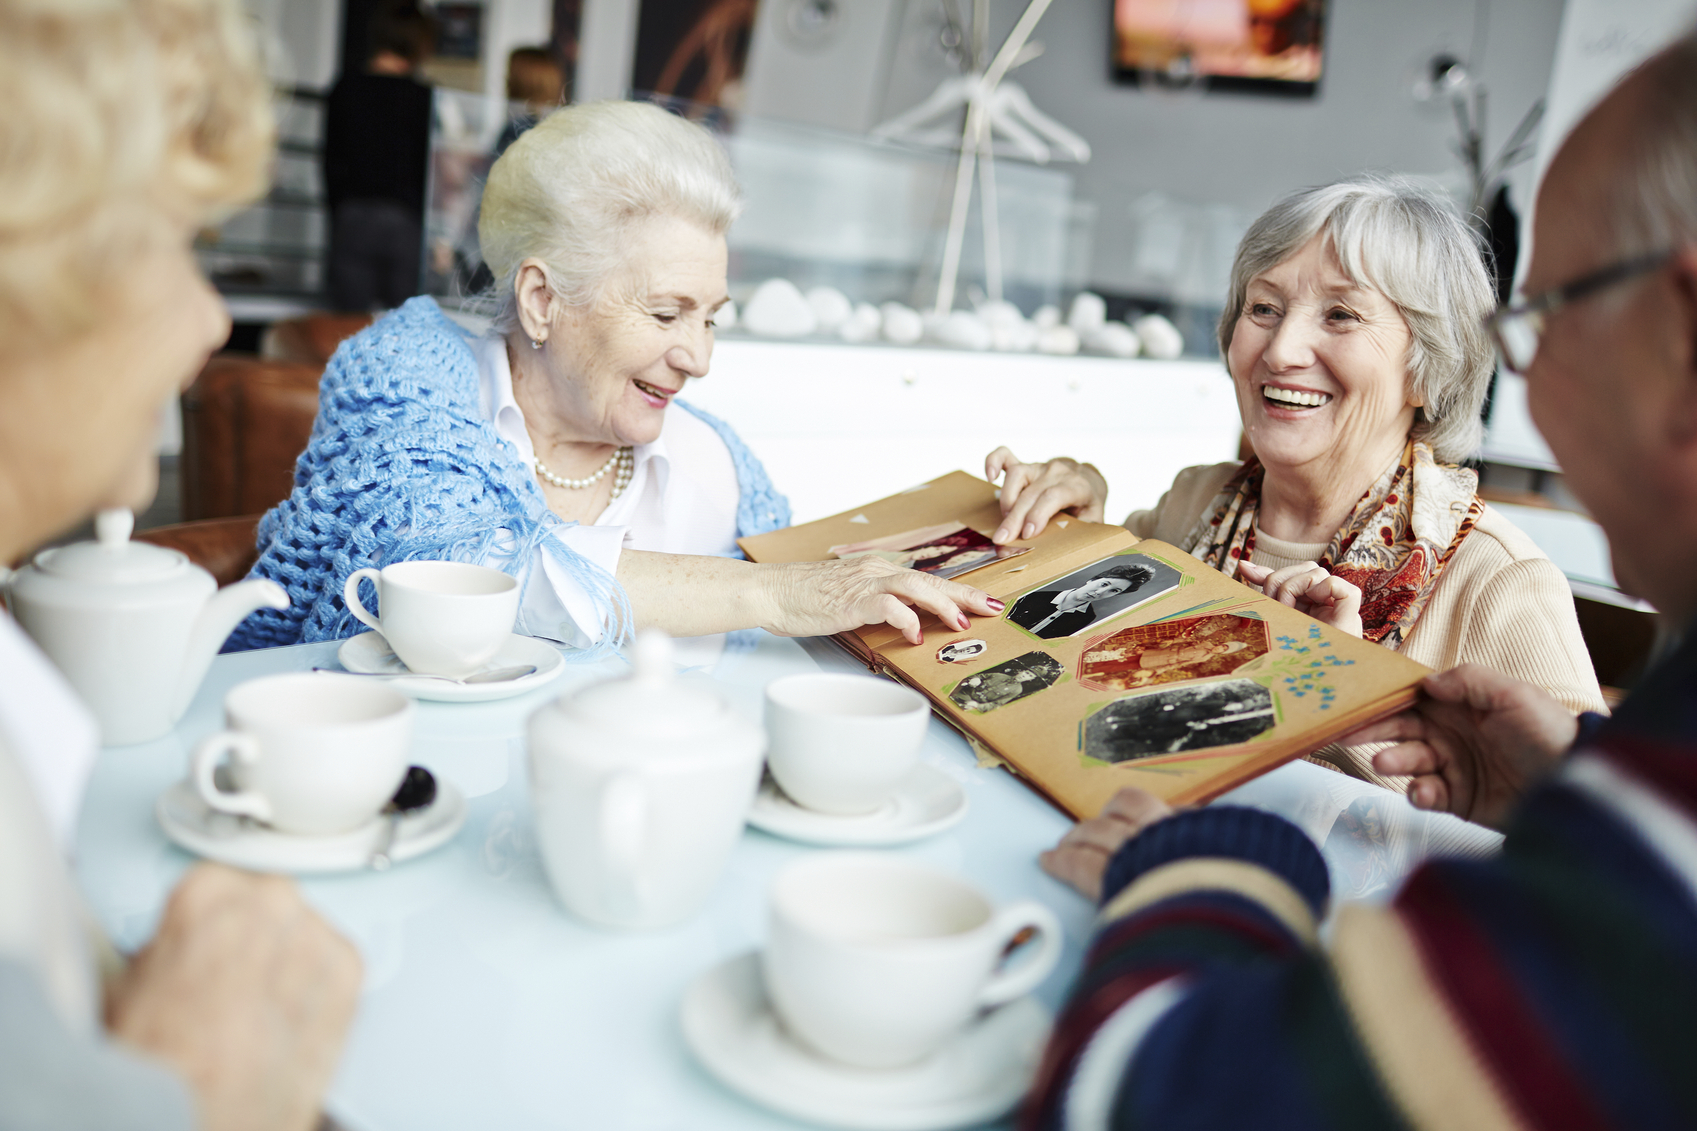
x=1174 y=651
x=1176 y=719
x=1087 y=597
x=946 y=550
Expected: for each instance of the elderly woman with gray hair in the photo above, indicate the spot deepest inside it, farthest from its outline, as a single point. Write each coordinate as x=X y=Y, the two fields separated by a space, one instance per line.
x=1354 y=335
x=551 y=446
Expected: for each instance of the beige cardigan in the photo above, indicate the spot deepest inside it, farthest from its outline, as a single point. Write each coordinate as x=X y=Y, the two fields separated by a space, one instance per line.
x=1500 y=602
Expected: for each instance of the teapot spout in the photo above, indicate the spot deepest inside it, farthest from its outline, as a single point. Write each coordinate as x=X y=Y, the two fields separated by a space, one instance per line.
x=218 y=618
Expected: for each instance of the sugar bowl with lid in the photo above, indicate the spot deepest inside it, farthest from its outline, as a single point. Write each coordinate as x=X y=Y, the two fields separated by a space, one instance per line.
x=640 y=787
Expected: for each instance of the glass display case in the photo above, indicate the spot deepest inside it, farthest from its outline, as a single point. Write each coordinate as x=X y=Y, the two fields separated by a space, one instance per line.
x=822 y=208
x=276 y=246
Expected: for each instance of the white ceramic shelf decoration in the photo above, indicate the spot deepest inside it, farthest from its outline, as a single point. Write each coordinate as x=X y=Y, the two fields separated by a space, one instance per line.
x=778 y=309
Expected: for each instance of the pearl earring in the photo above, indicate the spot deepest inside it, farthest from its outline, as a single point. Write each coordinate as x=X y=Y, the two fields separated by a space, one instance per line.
x=536 y=343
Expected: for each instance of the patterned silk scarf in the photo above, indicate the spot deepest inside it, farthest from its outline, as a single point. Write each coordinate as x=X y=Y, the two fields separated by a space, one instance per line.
x=1392 y=547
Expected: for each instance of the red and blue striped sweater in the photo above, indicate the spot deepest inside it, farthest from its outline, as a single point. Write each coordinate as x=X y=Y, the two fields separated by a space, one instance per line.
x=1554 y=986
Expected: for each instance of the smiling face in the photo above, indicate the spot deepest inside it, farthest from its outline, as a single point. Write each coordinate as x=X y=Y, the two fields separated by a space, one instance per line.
x=1320 y=366
x=610 y=369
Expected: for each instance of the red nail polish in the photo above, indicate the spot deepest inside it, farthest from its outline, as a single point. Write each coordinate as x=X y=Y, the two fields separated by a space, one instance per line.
x=997 y=605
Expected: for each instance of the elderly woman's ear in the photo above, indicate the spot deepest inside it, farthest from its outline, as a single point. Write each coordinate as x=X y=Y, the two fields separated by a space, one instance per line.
x=537 y=303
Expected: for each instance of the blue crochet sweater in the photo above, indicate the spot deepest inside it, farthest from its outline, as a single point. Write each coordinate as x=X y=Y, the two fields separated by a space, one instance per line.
x=400 y=467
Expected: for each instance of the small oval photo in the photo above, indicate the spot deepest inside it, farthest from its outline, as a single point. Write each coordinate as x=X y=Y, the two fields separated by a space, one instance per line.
x=960 y=651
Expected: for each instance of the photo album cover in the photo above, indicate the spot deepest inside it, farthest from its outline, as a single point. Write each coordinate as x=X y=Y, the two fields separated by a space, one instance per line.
x=1116 y=662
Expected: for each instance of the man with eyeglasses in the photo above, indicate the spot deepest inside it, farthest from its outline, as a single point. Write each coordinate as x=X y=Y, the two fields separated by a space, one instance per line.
x=1555 y=985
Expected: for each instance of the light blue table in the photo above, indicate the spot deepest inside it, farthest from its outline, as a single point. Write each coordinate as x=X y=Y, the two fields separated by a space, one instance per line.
x=487 y=1006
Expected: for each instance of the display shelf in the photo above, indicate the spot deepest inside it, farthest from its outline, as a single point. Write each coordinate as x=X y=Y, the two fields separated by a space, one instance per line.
x=837 y=424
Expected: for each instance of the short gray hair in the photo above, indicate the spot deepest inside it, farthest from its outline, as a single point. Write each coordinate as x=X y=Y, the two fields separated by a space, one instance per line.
x=1409 y=244
x=1655 y=190
x=569 y=189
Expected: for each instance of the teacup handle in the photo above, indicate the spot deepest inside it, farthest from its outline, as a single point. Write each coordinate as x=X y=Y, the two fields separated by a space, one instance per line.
x=212 y=750
x=350 y=595
x=1006 y=985
x=624 y=830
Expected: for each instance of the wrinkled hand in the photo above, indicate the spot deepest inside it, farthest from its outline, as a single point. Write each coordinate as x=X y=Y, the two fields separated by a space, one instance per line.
x=1308 y=588
x=1033 y=493
x=1083 y=854
x=1474 y=743
x=822 y=598
x=247 y=993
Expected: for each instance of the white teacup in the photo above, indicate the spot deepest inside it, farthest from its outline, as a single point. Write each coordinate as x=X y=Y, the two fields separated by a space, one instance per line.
x=842 y=743
x=441 y=618
x=309 y=752
x=877 y=962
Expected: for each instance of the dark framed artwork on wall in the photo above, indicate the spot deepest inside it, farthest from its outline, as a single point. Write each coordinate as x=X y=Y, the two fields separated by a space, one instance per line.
x=1274 y=47
x=693 y=51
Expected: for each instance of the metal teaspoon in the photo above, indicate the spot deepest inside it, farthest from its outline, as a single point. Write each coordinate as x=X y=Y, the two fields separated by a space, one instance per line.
x=417 y=791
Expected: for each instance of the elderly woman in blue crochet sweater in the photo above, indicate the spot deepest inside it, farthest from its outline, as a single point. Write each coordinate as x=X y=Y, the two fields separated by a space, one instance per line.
x=551 y=446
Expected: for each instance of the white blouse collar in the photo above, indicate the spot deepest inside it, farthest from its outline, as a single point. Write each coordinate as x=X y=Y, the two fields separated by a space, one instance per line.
x=501 y=409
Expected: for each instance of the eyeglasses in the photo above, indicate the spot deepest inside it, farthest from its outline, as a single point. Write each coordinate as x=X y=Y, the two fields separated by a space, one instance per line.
x=1518 y=328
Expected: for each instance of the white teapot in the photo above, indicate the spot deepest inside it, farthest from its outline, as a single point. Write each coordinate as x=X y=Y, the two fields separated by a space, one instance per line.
x=640 y=788
x=133 y=627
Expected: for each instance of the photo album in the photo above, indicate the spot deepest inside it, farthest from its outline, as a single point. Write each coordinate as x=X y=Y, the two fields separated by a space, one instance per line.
x=1116 y=662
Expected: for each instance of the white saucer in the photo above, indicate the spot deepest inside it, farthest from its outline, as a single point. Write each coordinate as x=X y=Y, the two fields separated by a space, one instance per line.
x=369 y=653
x=982 y=1074
x=243 y=843
x=925 y=804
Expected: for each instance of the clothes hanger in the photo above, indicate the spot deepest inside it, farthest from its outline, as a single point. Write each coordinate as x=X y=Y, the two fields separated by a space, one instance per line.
x=994 y=108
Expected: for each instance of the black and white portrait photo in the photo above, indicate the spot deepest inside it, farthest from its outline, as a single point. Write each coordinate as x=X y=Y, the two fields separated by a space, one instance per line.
x=1006 y=683
x=1176 y=719
x=1085 y=598
x=961 y=651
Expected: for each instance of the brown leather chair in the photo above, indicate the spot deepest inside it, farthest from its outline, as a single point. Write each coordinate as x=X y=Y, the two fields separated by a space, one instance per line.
x=245 y=421
x=310 y=339
x=223 y=546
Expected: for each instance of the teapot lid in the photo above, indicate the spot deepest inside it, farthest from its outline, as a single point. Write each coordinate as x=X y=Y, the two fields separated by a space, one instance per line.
x=112 y=558
x=651 y=702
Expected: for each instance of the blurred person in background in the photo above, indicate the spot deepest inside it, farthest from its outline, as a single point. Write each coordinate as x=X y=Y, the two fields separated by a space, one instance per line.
x=376 y=153
x=535 y=86
x=128 y=125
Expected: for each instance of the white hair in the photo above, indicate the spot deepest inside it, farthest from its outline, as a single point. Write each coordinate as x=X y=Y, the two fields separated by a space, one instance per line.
x=1410 y=245
x=569 y=190
x=1655 y=193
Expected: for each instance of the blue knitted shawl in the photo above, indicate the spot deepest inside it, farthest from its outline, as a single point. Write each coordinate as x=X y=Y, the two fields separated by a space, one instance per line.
x=401 y=467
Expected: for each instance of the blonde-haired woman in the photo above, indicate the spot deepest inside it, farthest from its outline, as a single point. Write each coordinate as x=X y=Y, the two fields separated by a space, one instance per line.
x=551 y=446
x=127 y=124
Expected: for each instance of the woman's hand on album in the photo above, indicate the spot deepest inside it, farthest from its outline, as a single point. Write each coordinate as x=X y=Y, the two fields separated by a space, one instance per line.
x=822 y=598
x=1309 y=588
x=1033 y=493
x=1081 y=858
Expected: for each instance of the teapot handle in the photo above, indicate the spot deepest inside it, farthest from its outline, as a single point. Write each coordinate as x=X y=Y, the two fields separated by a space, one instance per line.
x=624 y=824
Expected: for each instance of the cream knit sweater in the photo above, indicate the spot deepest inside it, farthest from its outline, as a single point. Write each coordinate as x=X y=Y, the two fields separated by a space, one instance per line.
x=1500 y=602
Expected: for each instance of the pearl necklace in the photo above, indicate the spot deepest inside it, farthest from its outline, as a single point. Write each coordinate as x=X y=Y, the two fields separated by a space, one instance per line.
x=623 y=459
